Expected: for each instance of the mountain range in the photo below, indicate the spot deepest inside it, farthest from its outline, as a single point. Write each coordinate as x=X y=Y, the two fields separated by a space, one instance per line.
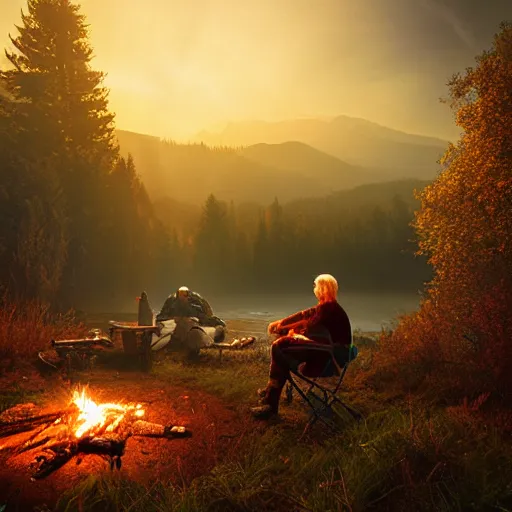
x=353 y=140
x=258 y=161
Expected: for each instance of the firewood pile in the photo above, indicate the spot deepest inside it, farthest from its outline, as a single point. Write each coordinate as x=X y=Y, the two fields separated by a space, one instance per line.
x=84 y=428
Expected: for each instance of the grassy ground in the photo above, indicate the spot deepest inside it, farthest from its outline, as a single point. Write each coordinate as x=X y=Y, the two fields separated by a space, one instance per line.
x=405 y=454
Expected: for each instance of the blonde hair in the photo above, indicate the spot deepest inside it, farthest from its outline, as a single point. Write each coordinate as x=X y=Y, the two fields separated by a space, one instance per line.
x=327 y=287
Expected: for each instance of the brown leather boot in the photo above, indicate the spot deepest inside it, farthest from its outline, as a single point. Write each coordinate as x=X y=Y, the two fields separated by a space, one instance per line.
x=270 y=401
x=263 y=412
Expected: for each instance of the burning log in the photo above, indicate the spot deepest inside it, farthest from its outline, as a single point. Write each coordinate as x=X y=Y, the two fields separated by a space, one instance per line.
x=59 y=454
x=84 y=428
x=30 y=445
x=112 y=447
x=18 y=412
x=147 y=429
x=10 y=428
x=46 y=464
x=44 y=435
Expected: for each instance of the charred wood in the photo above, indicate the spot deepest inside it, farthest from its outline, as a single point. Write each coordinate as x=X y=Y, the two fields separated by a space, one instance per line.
x=26 y=424
x=111 y=445
x=53 y=459
x=44 y=436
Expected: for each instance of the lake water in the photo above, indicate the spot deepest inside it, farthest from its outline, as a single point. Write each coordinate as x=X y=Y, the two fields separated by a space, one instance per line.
x=367 y=311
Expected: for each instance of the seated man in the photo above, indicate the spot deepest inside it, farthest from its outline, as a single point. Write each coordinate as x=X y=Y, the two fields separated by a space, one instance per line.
x=196 y=326
x=304 y=336
x=185 y=303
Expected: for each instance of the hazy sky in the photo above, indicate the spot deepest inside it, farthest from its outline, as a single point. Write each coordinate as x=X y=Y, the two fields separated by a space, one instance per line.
x=176 y=67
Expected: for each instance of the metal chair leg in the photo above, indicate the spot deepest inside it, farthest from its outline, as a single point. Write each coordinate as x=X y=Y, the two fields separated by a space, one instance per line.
x=321 y=402
x=289 y=393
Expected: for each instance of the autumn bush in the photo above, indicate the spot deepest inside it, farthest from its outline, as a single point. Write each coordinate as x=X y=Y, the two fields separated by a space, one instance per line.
x=459 y=342
x=26 y=328
x=430 y=353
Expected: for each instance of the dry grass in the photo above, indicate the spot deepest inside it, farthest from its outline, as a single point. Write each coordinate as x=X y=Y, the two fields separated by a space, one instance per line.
x=401 y=457
x=411 y=452
x=27 y=328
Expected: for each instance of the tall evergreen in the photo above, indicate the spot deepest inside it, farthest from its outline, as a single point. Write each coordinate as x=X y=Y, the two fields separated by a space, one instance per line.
x=60 y=112
x=59 y=120
x=261 y=252
x=212 y=244
x=61 y=101
x=33 y=228
x=33 y=218
x=278 y=255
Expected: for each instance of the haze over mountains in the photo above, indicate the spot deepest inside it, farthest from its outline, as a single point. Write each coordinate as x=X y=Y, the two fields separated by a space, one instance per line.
x=257 y=161
x=356 y=141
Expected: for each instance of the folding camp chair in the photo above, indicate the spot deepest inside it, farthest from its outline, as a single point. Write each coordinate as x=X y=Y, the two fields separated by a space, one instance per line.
x=321 y=398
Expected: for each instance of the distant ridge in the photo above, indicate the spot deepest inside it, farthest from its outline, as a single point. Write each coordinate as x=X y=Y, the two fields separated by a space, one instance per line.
x=353 y=140
x=190 y=172
x=310 y=162
x=255 y=161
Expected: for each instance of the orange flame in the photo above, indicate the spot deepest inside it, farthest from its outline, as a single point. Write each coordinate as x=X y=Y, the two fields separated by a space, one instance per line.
x=94 y=417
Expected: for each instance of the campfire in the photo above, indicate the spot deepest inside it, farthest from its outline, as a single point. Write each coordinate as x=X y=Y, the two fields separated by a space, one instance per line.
x=93 y=418
x=85 y=427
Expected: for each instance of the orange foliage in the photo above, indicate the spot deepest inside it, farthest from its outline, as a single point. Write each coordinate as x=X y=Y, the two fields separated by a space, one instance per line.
x=460 y=341
x=428 y=353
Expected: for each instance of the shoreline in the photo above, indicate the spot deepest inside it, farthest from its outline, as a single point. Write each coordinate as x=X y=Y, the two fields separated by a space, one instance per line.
x=235 y=326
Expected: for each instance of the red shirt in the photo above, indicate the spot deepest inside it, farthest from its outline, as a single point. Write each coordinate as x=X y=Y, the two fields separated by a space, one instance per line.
x=327 y=315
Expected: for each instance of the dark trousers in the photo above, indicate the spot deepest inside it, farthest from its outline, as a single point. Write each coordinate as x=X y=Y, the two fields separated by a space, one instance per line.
x=290 y=352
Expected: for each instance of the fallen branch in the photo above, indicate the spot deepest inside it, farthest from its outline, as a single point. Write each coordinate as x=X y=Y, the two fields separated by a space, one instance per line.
x=9 y=428
x=44 y=436
x=147 y=429
x=48 y=463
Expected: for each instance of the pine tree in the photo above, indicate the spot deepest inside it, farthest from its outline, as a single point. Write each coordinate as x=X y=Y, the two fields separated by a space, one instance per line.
x=59 y=109
x=212 y=245
x=33 y=224
x=33 y=220
x=60 y=101
x=261 y=255
x=276 y=239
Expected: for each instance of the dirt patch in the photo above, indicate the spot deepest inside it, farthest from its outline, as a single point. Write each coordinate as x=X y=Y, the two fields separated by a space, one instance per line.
x=217 y=430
